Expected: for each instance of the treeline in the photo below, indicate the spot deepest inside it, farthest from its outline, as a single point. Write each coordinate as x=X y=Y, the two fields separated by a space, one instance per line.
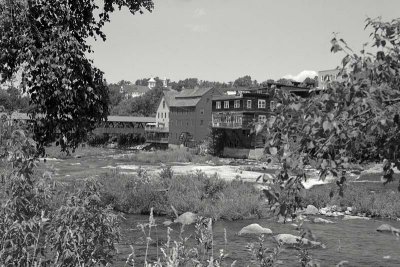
x=124 y=104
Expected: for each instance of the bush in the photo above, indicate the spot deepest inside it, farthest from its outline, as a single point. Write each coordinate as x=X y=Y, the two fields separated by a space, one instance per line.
x=82 y=232
x=98 y=139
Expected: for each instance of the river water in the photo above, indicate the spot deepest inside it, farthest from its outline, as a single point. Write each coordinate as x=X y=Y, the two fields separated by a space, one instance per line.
x=355 y=241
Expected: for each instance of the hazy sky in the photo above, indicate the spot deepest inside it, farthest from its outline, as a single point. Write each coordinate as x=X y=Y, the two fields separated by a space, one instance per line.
x=221 y=40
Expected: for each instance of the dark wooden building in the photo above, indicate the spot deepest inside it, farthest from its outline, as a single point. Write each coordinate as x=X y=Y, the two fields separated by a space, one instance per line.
x=236 y=116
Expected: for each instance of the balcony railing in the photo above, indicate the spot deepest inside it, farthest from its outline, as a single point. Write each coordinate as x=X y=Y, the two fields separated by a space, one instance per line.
x=156 y=129
x=227 y=125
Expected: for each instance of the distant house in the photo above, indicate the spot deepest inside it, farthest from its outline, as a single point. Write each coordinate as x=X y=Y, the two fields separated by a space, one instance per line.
x=190 y=116
x=134 y=90
x=327 y=76
x=159 y=132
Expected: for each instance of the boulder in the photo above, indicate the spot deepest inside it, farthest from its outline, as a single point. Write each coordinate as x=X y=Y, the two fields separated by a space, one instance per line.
x=254 y=228
x=321 y=220
x=167 y=223
x=334 y=214
x=323 y=211
x=386 y=228
x=351 y=217
x=186 y=218
x=310 y=210
x=293 y=241
x=282 y=219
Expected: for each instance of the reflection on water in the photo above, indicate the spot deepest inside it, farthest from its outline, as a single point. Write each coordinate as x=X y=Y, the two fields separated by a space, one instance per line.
x=355 y=241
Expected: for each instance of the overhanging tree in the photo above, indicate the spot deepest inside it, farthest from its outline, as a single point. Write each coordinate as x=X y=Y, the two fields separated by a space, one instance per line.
x=354 y=120
x=46 y=42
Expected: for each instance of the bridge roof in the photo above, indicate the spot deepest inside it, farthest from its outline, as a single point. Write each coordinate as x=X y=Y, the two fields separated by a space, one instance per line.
x=131 y=119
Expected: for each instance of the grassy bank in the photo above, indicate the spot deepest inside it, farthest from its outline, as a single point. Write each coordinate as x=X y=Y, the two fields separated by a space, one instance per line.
x=198 y=193
x=371 y=198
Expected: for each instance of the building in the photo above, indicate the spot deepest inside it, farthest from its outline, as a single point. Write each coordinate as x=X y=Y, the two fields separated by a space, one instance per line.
x=158 y=132
x=327 y=76
x=134 y=90
x=234 y=118
x=151 y=83
x=190 y=116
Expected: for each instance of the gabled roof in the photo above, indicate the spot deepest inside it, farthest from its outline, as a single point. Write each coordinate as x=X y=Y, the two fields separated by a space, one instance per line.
x=189 y=93
x=169 y=96
x=184 y=102
x=130 y=119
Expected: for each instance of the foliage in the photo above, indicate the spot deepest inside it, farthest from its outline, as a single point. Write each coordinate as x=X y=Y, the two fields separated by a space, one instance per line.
x=332 y=128
x=215 y=141
x=47 y=43
x=144 y=105
x=263 y=256
x=23 y=218
x=244 y=81
x=198 y=193
x=362 y=197
x=83 y=233
x=188 y=83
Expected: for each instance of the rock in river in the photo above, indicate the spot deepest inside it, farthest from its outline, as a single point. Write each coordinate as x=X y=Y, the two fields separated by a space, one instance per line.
x=186 y=218
x=311 y=210
x=321 y=220
x=254 y=228
x=386 y=228
x=292 y=241
x=350 y=217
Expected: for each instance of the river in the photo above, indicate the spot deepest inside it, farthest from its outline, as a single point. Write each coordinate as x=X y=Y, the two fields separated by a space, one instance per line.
x=355 y=241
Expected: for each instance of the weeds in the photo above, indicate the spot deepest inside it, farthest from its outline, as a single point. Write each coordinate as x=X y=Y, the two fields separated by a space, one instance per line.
x=374 y=201
x=208 y=196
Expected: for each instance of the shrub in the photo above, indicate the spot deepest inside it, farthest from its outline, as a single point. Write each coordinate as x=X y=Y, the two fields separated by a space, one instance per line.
x=82 y=232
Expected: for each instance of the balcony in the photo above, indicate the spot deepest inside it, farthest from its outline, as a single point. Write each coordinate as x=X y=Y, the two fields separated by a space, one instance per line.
x=156 y=129
x=231 y=125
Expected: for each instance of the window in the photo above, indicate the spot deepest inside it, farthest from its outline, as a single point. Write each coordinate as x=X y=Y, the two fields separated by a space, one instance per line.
x=202 y=111
x=237 y=104
x=226 y=104
x=201 y=122
x=165 y=114
x=158 y=114
x=163 y=104
x=162 y=115
x=218 y=105
x=261 y=103
x=262 y=118
x=272 y=105
x=248 y=103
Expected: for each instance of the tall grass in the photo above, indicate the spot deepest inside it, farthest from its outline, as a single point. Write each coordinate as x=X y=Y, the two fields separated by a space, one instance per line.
x=196 y=192
x=372 y=199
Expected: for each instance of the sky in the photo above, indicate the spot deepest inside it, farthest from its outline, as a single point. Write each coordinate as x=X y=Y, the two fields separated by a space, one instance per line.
x=221 y=40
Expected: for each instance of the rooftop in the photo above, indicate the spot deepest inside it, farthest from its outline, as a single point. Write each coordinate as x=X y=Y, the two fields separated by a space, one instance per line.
x=190 y=93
